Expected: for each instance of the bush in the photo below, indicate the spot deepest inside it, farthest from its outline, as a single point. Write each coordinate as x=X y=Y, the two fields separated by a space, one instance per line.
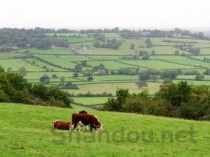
x=13 y=88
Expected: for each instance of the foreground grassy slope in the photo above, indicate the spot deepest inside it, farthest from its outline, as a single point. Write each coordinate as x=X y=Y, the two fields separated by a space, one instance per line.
x=26 y=131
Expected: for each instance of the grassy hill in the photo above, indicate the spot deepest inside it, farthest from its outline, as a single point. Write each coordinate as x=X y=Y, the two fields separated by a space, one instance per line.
x=26 y=131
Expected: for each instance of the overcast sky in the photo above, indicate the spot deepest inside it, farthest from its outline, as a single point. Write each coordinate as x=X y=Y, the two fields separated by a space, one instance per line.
x=105 y=13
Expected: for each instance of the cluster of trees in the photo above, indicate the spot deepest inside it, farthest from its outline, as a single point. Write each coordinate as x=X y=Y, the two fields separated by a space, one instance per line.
x=172 y=100
x=24 y=38
x=89 y=94
x=109 y=43
x=13 y=88
x=128 y=34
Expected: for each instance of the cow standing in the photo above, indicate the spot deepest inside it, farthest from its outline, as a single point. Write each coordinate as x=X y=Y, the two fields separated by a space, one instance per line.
x=86 y=119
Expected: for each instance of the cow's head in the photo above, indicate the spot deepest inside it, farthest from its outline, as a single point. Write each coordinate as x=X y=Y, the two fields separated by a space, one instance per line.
x=99 y=127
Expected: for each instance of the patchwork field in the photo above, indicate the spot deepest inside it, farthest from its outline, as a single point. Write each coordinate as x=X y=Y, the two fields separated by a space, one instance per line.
x=61 y=64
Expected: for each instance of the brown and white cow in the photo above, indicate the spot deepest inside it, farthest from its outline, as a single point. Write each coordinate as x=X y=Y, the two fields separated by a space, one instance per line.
x=86 y=119
x=61 y=125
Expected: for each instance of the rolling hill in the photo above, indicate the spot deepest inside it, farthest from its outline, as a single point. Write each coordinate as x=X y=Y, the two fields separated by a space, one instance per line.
x=26 y=131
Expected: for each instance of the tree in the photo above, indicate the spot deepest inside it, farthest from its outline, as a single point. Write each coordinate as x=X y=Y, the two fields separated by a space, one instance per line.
x=169 y=74
x=132 y=46
x=115 y=104
x=141 y=84
x=194 y=51
x=199 y=77
x=176 y=94
x=84 y=63
x=176 y=52
x=144 y=75
x=62 y=79
x=45 y=79
x=90 y=78
x=22 y=71
x=153 y=52
x=78 y=68
x=54 y=76
x=76 y=74
x=148 y=43
x=97 y=44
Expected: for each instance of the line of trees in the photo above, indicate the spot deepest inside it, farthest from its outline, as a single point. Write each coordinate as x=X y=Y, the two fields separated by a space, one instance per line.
x=172 y=100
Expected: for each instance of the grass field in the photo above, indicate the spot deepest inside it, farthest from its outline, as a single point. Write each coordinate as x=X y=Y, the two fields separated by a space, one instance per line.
x=26 y=131
x=16 y=64
x=90 y=101
x=111 y=87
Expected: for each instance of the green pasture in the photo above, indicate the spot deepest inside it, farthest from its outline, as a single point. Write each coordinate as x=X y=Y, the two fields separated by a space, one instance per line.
x=111 y=87
x=6 y=55
x=163 y=50
x=48 y=51
x=116 y=78
x=112 y=35
x=205 y=51
x=108 y=64
x=27 y=131
x=43 y=64
x=16 y=64
x=37 y=75
x=155 y=64
x=57 y=61
x=161 y=42
x=79 y=40
x=83 y=45
x=137 y=42
x=103 y=58
x=105 y=51
x=89 y=101
x=201 y=57
x=193 y=82
x=74 y=58
x=181 y=60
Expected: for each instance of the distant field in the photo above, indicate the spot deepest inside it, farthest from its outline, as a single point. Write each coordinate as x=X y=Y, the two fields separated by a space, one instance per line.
x=182 y=60
x=79 y=40
x=35 y=75
x=116 y=78
x=90 y=100
x=43 y=64
x=74 y=58
x=103 y=51
x=16 y=64
x=109 y=64
x=49 y=51
x=6 y=55
x=111 y=35
x=112 y=87
x=57 y=61
x=155 y=64
x=205 y=50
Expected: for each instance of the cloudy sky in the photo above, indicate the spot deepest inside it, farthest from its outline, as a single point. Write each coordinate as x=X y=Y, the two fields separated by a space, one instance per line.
x=105 y=13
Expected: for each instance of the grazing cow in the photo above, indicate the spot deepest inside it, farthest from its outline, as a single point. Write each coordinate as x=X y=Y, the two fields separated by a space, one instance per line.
x=61 y=125
x=86 y=119
x=80 y=124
